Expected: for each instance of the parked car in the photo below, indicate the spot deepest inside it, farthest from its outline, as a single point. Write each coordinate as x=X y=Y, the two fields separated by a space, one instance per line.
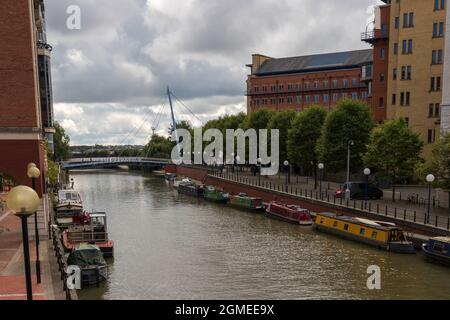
x=360 y=190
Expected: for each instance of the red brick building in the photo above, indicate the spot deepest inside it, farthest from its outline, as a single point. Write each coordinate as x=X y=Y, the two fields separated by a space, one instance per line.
x=298 y=82
x=23 y=124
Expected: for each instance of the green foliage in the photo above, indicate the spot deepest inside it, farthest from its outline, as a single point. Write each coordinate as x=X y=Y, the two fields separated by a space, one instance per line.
x=351 y=120
x=61 y=144
x=441 y=162
x=258 y=120
x=158 y=147
x=394 y=149
x=52 y=172
x=282 y=121
x=302 y=139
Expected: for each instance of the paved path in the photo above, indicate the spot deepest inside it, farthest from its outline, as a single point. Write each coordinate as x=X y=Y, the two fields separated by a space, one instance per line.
x=12 y=274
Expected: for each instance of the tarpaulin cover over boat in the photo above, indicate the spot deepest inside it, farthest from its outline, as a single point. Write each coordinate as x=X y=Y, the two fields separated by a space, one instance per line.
x=86 y=255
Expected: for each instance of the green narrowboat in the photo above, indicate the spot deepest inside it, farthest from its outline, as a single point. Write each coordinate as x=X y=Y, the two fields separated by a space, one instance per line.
x=215 y=195
x=243 y=201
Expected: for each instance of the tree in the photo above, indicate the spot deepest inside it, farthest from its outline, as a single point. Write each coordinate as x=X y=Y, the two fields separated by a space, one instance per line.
x=258 y=120
x=441 y=163
x=394 y=150
x=61 y=144
x=158 y=147
x=305 y=131
x=350 y=121
x=282 y=121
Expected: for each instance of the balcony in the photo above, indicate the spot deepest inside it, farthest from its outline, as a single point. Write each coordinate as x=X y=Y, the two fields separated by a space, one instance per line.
x=43 y=45
x=373 y=36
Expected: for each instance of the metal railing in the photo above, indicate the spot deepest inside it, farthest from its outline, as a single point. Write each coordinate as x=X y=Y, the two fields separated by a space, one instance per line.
x=86 y=236
x=419 y=217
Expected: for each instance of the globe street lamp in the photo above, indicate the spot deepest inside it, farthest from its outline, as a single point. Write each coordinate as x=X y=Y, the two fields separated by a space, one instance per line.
x=430 y=180
x=321 y=166
x=24 y=201
x=286 y=167
x=34 y=173
x=367 y=173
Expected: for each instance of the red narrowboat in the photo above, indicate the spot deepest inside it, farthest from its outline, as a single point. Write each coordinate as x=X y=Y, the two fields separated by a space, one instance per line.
x=289 y=213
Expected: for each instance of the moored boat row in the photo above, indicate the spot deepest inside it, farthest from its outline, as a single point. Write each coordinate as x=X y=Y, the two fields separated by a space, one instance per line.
x=84 y=236
x=383 y=235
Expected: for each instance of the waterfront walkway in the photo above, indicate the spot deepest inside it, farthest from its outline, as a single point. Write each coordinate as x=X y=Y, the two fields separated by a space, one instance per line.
x=12 y=274
x=304 y=187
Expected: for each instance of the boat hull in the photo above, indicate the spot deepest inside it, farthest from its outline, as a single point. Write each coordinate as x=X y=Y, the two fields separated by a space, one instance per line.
x=276 y=216
x=93 y=275
x=393 y=247
x=434 y=257
x=194 y=192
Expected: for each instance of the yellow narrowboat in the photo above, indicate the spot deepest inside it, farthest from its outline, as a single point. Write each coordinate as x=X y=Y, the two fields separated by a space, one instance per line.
x=379 y=234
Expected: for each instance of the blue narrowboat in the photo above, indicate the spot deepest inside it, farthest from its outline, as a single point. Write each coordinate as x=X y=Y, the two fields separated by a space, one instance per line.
x=438 y=250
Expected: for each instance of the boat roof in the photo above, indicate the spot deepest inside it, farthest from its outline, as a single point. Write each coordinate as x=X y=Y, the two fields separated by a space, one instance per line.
x=360 y=221
x=442 y=239
x=98 y=214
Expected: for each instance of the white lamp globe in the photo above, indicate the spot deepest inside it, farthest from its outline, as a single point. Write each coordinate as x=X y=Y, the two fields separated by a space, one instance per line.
x=23 y=201
x=321 y=166
x=286 y=163
x=430 y=178
x=33 y=173
x=367 y=172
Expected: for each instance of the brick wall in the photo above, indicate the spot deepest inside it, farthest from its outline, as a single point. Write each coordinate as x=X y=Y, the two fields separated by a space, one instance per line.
x=18 y=82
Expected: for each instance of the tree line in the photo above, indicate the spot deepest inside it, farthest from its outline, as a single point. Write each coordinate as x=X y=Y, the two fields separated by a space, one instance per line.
x=391 y=150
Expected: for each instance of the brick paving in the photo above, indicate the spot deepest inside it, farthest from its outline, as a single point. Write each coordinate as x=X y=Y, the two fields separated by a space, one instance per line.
x=12 y=273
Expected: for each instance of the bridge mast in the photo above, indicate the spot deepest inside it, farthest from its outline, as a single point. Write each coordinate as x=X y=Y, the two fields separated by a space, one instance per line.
x=174 y=124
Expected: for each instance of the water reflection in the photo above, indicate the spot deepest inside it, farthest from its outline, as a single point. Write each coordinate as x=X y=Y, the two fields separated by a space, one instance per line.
x=170 y=246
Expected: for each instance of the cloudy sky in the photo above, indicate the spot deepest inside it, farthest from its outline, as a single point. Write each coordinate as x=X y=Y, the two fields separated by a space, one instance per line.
x=109 y=77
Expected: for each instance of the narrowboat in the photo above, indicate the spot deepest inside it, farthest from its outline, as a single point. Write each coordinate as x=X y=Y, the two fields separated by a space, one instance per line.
x=438 y=250
x=379 y=234
x=95 y=232
x=243 y=201
x=92 y=265
x=190 y=189
x=177 y=183
x=289 y=213
x=213 y=194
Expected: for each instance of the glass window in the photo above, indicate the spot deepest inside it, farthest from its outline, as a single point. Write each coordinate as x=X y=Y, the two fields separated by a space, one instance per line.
x=362 y=231
x=346 y=227
x=374 y=235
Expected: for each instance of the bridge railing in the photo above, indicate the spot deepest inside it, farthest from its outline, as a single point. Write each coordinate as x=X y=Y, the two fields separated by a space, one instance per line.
x=116 y=160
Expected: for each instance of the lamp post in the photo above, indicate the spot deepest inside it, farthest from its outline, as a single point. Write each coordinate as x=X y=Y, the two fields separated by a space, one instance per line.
x=259 y=171
x=321 y=166
x=237 y=163
x=34 y=173
x=347 y=191
x=286 y=167
x=23 y=201
x=72 y=183
x=367 y=173
x=430 y=180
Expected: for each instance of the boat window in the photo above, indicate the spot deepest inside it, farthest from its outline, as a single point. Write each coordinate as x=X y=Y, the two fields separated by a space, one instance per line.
x=374 y=235
x=362 y=231
x=335 y=224
x=438 y=248
x=322 y=221
x=346 y=227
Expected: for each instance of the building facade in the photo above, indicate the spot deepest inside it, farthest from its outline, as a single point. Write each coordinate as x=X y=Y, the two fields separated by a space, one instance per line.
x=26 y=110
x=445 y=107
x=415 y=33
x=298 y=82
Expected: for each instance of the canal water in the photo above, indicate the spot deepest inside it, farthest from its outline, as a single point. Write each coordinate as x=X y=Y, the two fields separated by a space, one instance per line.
x=170 y=246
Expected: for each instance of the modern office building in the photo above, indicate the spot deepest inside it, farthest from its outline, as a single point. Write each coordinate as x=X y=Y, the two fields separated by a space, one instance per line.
x=26 y=111
x=298 y=82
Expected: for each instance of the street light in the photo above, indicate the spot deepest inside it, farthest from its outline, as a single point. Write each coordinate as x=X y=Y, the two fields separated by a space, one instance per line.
x=34 y=173
x=321 y=166
x=367 y=173
x=430 y=180
x=72 y=182
x=23 y=201
x=347 y=191
x=259 y=171
x=286 y=167
x=237 y=163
